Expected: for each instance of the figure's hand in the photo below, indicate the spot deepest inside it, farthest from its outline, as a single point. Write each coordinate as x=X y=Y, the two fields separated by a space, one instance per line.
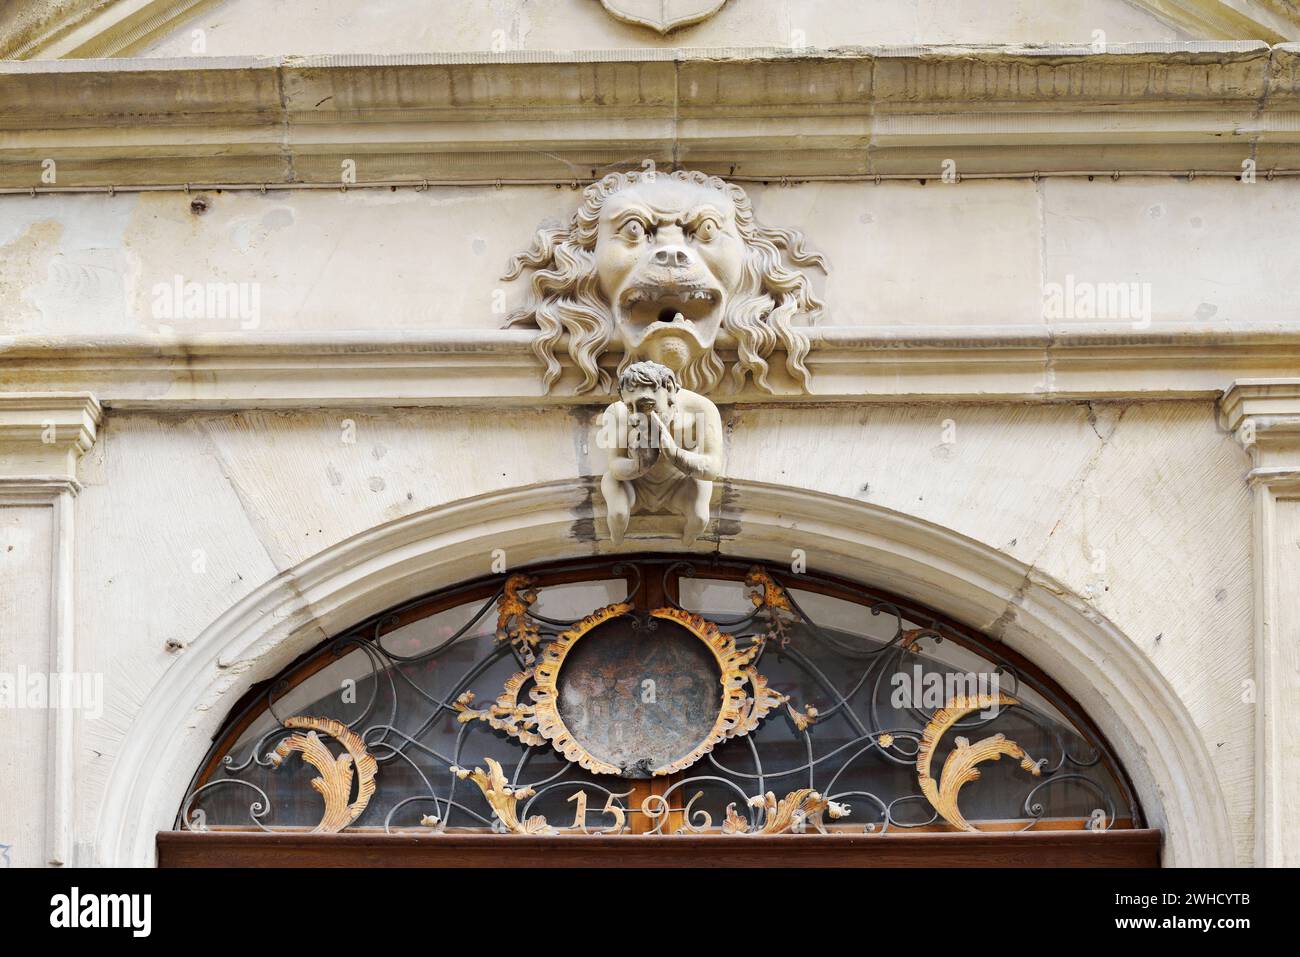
x=641 y=447
x=665 y=436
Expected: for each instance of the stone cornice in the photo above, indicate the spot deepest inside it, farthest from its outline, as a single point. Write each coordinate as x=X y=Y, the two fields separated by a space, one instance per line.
x=42 y=435
x=36 y=489
x=525 y=116
x=1264 y=414
x=1261 y=399
x=497 y=367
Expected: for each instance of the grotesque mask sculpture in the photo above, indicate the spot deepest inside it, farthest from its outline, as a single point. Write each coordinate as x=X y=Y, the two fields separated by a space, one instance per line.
x=664 y=262
x=665 y=450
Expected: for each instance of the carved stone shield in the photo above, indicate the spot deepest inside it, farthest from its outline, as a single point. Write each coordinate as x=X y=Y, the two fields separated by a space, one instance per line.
x=663 y=15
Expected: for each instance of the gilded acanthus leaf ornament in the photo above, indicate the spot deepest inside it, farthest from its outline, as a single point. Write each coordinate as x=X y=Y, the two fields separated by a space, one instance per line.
x=792 y=814
x=805 y=719
x=513 y=623
x=772 y=603
x=335 y=781
x=960 y=768
x=733 y=823
x=765 y=592
x=761 y=701
x=774 y=607
x=506 y=714
x=910 y=640
x=503 y=799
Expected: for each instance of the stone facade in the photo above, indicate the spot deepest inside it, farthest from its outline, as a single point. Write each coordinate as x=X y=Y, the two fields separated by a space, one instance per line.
x=256 y=381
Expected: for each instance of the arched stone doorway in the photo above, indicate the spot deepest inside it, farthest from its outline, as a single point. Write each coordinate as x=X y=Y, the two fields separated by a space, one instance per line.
x=980 y=587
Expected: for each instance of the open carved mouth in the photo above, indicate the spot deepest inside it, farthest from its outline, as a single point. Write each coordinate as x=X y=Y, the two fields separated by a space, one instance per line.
x=654 y=308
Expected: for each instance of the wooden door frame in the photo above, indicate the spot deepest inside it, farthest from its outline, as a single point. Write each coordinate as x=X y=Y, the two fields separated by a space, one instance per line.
x=1115 y=848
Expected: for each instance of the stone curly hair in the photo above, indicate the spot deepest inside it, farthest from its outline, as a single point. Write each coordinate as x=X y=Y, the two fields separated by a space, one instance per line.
x=759 y=316
x=647 y=373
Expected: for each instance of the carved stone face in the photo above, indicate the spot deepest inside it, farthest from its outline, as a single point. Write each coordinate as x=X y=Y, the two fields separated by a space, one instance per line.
x=648 y=398
x=667 y=256
x=663 y=262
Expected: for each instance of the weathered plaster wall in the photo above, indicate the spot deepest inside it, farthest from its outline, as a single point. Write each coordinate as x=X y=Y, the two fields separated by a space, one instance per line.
x=973 y=253
x=1140 y=509
x=26 y=538
x=410 y=26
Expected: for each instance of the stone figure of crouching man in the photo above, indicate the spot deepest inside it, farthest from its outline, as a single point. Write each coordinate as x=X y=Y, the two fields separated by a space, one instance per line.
x=665 y=445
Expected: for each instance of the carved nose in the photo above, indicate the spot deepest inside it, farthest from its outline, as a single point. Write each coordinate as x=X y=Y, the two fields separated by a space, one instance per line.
x=672 y=256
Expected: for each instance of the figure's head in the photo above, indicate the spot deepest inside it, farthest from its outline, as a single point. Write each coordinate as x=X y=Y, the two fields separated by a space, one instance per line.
x=644 y=386
x=664 y=261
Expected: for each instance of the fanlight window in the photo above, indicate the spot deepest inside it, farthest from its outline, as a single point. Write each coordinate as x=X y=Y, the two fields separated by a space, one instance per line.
x=659 y=696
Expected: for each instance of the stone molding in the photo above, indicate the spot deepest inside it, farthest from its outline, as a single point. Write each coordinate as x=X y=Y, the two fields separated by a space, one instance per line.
x=528 y=116
x=498 y=367
x=1264 y=415
x=42 y=436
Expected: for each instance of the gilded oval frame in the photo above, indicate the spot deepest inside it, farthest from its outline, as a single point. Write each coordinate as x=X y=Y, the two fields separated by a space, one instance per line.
x=745 y=701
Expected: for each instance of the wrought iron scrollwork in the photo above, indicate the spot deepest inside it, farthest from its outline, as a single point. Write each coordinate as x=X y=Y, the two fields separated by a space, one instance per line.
x=431 y=731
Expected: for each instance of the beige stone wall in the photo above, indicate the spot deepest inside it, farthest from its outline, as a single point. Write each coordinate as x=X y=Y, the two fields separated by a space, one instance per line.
x=976 y=253
x=26 y=539
x=410 y=26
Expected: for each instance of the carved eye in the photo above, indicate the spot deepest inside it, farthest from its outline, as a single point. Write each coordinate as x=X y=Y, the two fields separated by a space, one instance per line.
x=707 y=230
x=633 y=231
